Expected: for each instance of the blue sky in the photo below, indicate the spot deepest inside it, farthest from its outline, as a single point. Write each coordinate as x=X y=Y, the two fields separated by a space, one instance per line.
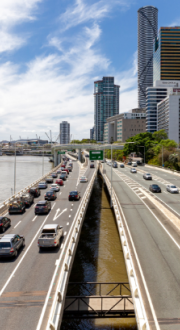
x=51 y=51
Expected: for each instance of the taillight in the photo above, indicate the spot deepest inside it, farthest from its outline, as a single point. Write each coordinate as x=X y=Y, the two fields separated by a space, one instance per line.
x=38 y=243
x=12 y=250
x=55 y=242
x=1 y=224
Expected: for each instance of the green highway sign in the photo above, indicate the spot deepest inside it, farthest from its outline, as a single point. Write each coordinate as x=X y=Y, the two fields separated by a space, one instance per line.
x=61 y=152
x=96 y=155
x=69 y=150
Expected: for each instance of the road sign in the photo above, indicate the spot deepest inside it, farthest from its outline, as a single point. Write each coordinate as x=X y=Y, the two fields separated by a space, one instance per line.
x=61 y=152
x=96 y=155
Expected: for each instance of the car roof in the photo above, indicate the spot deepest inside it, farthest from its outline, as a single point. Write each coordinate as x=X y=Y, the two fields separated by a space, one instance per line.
x=54 y=225
x=7 y=238
x=41 y=202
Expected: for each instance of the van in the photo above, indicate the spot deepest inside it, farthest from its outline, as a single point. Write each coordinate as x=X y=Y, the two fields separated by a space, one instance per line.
x=134 y=164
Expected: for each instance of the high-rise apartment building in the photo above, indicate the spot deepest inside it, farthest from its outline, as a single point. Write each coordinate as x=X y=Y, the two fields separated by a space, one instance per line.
x=106 y=104
x=64 y=132
x=147 y=32
x=92 y=133
x=154 y=95
x=166 y=57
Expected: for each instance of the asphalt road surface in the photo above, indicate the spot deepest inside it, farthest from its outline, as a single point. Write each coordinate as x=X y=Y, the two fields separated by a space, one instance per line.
x=24 y=281
x=157 y=244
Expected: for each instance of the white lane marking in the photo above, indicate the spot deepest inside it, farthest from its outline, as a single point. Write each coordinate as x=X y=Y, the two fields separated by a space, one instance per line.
x=143 y=197
x=67 y=224
x=72 y=204
x=70 y=209
x=56 y=263
x=17 y=224
x=58 y=215
x=34 y=218
x=165 y=192
x=53 y=206
x=26 y=251
x=62 y=245
x=60 y=193
x=65 y=233
x=69 y=216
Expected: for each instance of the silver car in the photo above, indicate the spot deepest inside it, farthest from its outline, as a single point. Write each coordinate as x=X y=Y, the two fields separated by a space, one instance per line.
x=133 y=170
x=147 y=176
x=172 y=189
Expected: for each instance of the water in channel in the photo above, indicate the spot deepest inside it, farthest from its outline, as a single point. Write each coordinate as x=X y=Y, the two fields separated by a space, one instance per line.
x=28 y=170
x=99 y=258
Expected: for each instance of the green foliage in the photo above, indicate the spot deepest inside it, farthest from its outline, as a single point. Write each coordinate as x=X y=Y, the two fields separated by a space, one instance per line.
x=160 y=135
x=85 y=141
x=116 y=154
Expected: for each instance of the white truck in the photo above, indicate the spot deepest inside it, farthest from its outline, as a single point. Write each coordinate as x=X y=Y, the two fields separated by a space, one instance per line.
x=50 y=236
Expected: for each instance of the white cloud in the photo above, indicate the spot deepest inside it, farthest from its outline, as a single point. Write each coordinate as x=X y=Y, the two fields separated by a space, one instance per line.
x=82 y=11
x=14 y=12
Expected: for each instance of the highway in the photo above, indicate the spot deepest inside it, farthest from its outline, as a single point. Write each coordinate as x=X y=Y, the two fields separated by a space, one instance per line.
x=156 y=248
x=25 y=282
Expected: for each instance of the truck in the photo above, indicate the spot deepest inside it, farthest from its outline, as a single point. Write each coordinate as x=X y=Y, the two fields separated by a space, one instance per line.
x=50 y=236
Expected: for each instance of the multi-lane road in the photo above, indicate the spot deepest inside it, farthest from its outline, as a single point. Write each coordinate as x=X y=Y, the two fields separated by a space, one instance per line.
x=156 y=241
x=26 y=287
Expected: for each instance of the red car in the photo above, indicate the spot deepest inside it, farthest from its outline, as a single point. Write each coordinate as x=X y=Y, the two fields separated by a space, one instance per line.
x=60 y=182
x=65 y=169
x=63 y=165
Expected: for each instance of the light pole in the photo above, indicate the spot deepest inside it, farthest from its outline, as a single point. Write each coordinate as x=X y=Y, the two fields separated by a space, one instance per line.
x=15 y=171
x=43 y=162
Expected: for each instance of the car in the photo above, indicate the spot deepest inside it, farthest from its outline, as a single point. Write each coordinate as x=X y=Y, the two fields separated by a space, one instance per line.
x=50 y=236
x=86 y=155
x=71 y=165
x=83 y=179
x=43 y=207
x=129 y=163
x=63 y=177
x=28 y=199
x=133 y=170
x=55 y=187
x=69 y=168
x=65 y=173
x=50 y=195
x=17 y=206
x=74 y=195
x=60 y=182
x=66 y=170
x=35 y=191
x=63 y=165
x=147 y=176
x=134 y=164
x=58 y=171
x=155 y=188
x=109 y=163
x=92 y=161
x=49 y=179
x=42 y=185
x=4 y=224
x=10 y=245
x=54 y=175
x=91 y=165
x=172 y=189
x=115 y=165
x=121 y=165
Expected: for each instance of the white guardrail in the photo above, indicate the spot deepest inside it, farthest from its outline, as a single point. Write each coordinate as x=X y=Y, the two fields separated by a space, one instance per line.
x=6 y=202
x=140 y=313
x=72 y=240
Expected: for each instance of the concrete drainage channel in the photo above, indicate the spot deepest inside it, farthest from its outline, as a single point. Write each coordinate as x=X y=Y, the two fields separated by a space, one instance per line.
x=140 y=313
x=4 y=205
x=69 y=249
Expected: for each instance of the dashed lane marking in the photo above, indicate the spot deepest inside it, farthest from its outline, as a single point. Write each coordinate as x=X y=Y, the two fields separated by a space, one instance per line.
x=17 y=224
x=34 y=218
x=65 y=233
x=67 y=224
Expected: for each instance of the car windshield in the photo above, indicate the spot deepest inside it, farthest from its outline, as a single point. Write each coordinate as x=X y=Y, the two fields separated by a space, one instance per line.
x=50 y=193
x=173 y=187
x=5 y=245
x=155 y=186
x=73 y=193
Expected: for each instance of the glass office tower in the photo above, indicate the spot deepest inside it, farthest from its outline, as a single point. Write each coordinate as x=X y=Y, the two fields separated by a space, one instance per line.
x=166 y=57
x=147 y=32
x=106 y=104
x=64 y=132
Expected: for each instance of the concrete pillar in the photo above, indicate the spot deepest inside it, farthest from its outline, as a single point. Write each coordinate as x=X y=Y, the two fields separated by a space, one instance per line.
x=58 y=159
x=79 y=155
x=55 y=158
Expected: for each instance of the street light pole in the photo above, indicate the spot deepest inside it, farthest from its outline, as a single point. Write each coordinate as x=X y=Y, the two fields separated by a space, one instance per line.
x=43 y=162
x=15 y=171
x=162 y=157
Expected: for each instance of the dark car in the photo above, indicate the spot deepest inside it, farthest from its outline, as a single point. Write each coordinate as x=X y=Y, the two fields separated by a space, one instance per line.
x=10 y=245
x=91 y=165
x=155 y=188
x=43 y=207
x=49 y=179
x=121 y=165
x=28 y=199
x=129 y=163
x=35 y=191
x=54 y=175
x=74 y=195
x=115 y=165
x=50 y=195
x=4 y=223
x=86 y=155
x=62 y=177
x=17 y=206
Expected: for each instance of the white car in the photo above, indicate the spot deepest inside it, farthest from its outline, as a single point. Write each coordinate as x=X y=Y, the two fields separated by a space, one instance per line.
x=55 y=187
x=133 y=170
x=172 y=189
x=83 y=179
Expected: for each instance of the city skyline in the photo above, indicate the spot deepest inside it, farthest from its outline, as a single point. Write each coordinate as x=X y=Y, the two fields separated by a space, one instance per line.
x=48 y=65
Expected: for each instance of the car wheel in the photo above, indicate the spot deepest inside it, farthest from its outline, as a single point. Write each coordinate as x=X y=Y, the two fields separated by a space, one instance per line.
x=3 y=229
x=23 y=244
x=15 y=254
x=10 y=224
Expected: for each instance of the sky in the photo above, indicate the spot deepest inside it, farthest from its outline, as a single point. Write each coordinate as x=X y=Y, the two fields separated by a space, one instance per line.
x=52 y=51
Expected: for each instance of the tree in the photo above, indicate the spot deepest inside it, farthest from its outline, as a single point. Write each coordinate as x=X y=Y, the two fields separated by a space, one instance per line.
x=140 y=140
x=160 y=135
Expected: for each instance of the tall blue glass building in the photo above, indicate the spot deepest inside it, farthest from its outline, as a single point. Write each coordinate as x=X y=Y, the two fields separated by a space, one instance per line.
x=106 y=104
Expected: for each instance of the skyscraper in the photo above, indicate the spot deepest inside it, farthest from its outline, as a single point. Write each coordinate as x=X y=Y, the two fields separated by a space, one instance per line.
x=64 y=132
x=106 y=104
x=166 y=57
x=147 y=32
